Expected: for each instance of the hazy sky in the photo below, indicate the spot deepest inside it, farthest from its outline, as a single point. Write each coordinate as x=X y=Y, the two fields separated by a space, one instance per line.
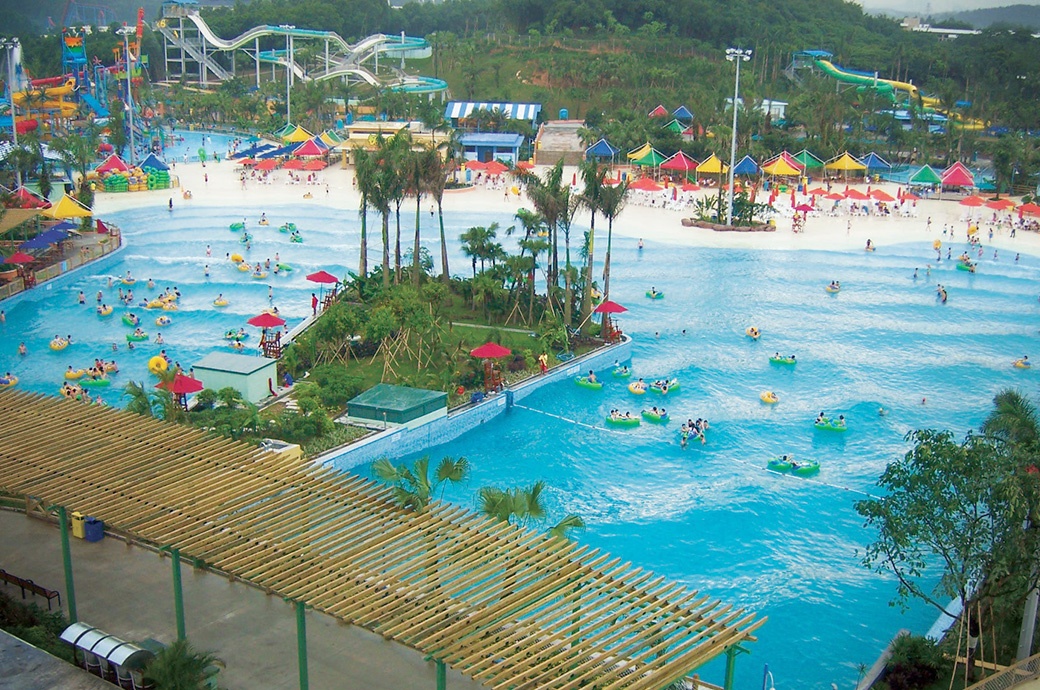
x=921 y=6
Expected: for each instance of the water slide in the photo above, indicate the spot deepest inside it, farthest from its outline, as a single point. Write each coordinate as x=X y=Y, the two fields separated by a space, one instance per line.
x=94 y=104
x=47 y=97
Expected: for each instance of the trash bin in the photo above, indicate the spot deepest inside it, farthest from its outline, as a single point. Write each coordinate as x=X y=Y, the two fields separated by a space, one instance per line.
x=94 y=529
x=77 y=524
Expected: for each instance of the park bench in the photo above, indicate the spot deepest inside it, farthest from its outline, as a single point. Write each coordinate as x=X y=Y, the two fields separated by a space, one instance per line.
x=31 y=587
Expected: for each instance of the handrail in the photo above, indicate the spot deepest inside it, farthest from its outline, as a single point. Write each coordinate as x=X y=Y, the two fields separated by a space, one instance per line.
x=1017 y=673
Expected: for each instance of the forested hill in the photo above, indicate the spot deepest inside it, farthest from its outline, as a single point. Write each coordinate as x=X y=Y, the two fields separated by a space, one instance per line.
x=1012 y=15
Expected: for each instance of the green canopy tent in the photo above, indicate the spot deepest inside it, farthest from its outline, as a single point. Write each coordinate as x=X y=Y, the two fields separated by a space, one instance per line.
x=652 y=158
x=808 y=160
x=675 y=126
x=927 y=175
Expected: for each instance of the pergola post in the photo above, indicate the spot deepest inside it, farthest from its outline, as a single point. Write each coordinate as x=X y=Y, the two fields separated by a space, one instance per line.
x=301 y=644
x=731 y=665
x=442 y=675
x=66 y=557
x=178 y=593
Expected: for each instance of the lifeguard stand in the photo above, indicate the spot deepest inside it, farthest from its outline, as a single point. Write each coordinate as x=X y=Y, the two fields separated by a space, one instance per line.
x=492 y=376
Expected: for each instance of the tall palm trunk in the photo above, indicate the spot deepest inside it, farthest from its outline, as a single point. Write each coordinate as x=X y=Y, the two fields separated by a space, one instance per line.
x=397 y=246
x=416 y=266
x=586 y=296
x=386 y=248
x=445 y=276
x=363 y=261
x=606 y=259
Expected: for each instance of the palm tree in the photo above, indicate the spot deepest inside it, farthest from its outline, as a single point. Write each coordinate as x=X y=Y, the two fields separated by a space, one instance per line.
x=364 y=172
x=434 y=180
x=523 y=506
x=394 y=161
x=612 y=202
x=413 y=487
x=535 y=246
x=551 y=198
x=591 y=198
x=180 y=667
x=77 y=151
x=1016 y=424
x=420 y=166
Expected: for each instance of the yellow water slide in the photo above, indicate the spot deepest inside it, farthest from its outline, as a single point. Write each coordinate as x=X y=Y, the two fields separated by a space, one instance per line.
x=48 y=98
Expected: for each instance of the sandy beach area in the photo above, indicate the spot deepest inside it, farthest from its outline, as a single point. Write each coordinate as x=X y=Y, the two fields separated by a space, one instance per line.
x=218 y=184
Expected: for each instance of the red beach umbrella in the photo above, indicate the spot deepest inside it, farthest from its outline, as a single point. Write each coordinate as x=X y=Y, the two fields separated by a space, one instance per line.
x=1030 y=208
x=181 y=385
x=818 y=191
x=490 y=351
x=266 y=165
x=19 y=258
x=834 y=196
x=972 y=201
x=322 y=277
x=1000 y=204
x=525 y=165
x=609 y=307
x=910 y=196
x=495 y=168
x=474 y=165
x=645 y=184
x=266 y=320
x=882 y=195
x=804 y=208
x=293 y=164
x=856 y=195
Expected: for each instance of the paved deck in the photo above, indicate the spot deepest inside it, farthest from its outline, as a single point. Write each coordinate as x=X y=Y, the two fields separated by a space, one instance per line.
x=127 y=591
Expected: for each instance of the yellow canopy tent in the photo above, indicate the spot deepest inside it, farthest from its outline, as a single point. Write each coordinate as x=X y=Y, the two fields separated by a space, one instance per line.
x=781 y=167
x=297 y=135
x=712 y=166
x=640 y=152
x=68 y=208
x=845 y=162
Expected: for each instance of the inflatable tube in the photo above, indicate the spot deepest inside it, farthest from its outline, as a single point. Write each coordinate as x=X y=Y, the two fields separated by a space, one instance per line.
x=260 y=276
x=244 y=267
x=235 y=335
x=831 y=425
x=245 y=238
x=284 y=267
x=583 y=382
x=620 y=373
x=8 y=382
x=169 y=306
x=131 y=320
x=157 y=364
x=111 y=367
x=752 y=332
x=95 y=383
x=625 y=422
x=59 y=344
x=134 y=338
x=670 y=387
x=105 y=311
x=297 y=239
x=779 y=465
x=783 y=360
x=805 y=469
x=287 y=227
x=129 y=281
x=769 y=397
x=655 y=295
x=163 y=321
x=237 y=227
x=833 y=290
x=1023 y=364
x=155 y=304
x=220 y=303
x=970 y=268
x=650 y=416
x=74 y=374
x=263 y=221
x=237 y=258
x=235 y=345
x=634 y=387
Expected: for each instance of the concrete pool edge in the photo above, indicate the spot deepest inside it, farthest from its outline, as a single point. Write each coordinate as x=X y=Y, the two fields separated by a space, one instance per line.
x=399 y=441
x=62 y=278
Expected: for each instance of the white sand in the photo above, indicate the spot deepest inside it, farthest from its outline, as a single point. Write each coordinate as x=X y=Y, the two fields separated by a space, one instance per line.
x=223 y=188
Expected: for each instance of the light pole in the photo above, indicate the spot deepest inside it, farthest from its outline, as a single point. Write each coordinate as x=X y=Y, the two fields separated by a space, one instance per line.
x=288 y=69
x=10 y=45
x=737 y=55
x=125 y=33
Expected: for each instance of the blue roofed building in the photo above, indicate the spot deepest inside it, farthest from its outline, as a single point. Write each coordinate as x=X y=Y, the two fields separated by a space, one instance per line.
x=492 y=146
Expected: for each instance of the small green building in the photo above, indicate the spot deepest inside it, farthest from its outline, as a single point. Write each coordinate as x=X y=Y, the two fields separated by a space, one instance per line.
x=254 y=377
x=398 y=405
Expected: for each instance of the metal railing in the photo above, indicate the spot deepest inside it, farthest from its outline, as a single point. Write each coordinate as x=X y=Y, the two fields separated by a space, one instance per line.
x=1020 y=672
x=65 y=263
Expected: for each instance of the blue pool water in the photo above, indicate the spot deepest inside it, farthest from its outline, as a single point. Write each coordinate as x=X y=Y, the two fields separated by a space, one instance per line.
x=710 y=516
x=188 y=142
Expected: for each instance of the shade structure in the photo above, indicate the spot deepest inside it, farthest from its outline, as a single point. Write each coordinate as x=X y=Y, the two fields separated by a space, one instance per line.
x=322 y=277
x=817 y=191
x=682 y=113
x=907 y=196
x=609 y=307
x=972 y=201
x=1030 y=208
x=602 y=149
x=285 y=130
x=690 y=187
x=293 y=164
x=780 y=166
x=266 y=320
x=680 y=162
x=112 y=164
x=315 y=165
x=746 y=166
x=808 y=159
x=246 y=161
x=68 y=207
x=29 y=199
x=278 y=153
x=882 y=195
x=875 y=162
x=834 y=196
x=856 y=195
x=19 y=258
x=44 y=239
x=490 y=351
x=495 y=168
x=958 y=175
x=528 y=165
x=675 y=126
x=845 y=162
x=653 y=157
x=645 y=184
x=330 y=138
x=152 y=161
x=804 y=208
x=712 y=166
x=787 y=156
x=926 y=175
x=659 y=111
x=267 y=165
x=181 y=385
x=637 y=153
x=474 y=165
x=309 y=149
x=1000 y=204
x=298 y=135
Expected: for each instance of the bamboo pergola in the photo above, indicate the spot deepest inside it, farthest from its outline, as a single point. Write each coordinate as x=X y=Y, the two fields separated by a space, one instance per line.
x=506 y=606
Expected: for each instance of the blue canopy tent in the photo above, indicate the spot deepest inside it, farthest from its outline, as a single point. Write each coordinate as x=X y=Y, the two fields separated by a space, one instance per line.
x=152 y=161
x=254 y=151
x=64 y=225
x=746 y=166
x=875 y=162
x=601 y=149
x=284 y=151
x=44 y=239
x=683 y=114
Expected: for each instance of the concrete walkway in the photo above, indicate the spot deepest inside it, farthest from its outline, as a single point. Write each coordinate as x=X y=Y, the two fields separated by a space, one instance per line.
x=127 y=591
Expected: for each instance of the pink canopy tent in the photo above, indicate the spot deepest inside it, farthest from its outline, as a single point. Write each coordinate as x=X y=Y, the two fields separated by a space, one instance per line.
x=112 y=164
x=680 y=162
x=958 y=175
x=309 y=149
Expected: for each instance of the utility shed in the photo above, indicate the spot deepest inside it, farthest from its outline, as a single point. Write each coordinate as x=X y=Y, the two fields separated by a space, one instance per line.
x=253 y=377
x=398 y=405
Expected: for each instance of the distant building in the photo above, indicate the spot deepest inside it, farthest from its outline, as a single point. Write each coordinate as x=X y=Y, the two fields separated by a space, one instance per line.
x=776 y=110
x=492 y=146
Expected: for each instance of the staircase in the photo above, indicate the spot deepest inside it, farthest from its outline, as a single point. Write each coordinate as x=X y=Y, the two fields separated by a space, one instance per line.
x=193 y=48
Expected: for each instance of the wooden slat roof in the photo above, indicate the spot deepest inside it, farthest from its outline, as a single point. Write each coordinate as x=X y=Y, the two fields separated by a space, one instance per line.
x=509 y=607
